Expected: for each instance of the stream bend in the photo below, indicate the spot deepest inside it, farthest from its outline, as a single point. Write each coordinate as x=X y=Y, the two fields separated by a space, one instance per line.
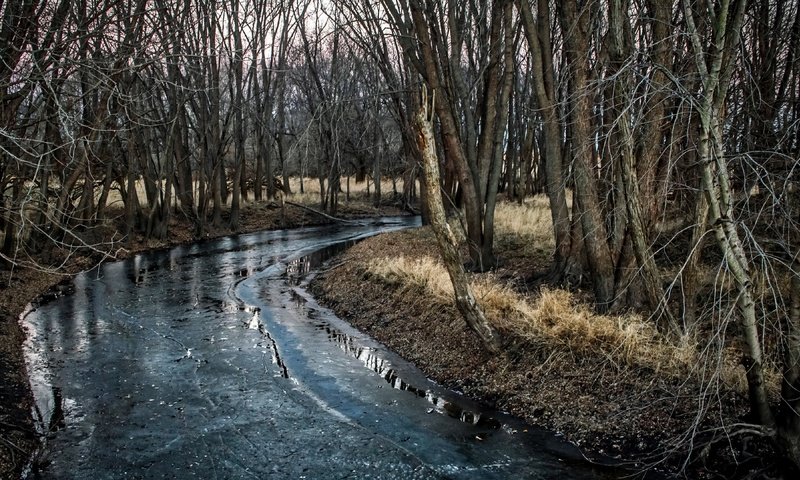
x=213 y=361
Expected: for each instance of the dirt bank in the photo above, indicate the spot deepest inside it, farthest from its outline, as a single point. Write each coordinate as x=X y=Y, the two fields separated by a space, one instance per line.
x=632 y=414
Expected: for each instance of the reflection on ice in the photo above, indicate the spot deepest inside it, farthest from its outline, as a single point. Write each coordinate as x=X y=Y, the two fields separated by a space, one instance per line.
x=372 y=360
x=158 y=367
x=254 y=322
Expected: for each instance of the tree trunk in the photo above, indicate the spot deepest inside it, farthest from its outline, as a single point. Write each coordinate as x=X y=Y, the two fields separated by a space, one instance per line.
x=237 y=67
x=11 y=239
x=789 y=425
x=451 y=142
x=538 y=37
x=465 y=300
x=594 y=230
x=500 y=130
x=715 y=76
x=642 y=250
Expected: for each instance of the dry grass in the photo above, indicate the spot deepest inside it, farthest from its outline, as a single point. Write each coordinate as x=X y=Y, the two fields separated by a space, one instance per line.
x=309 y=196
x=531 y=219
x=554 y=317
x=358 y=191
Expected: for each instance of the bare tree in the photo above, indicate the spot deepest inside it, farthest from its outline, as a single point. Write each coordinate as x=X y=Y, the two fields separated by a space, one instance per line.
x=469 y=126
x=448 y=246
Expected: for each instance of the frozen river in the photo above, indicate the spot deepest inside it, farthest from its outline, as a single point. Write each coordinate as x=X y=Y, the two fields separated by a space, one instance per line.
x=211 y=361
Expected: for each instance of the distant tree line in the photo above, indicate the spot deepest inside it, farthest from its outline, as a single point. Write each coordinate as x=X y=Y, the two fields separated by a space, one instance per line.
x=665 y=135
x=201 y=103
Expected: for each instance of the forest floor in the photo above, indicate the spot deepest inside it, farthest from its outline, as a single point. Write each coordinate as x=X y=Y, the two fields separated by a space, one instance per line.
x=633 y=411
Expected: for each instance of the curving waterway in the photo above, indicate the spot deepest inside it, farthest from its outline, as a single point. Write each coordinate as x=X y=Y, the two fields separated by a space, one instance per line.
x=212 y=361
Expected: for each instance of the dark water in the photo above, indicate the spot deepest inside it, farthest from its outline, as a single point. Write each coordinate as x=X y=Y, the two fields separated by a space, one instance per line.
x=211 y=361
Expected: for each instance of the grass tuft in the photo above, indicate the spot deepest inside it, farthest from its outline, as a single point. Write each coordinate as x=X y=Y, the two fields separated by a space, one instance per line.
x=531 y=219
x=556 y=320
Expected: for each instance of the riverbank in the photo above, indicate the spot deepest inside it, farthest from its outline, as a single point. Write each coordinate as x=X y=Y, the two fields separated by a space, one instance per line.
x=590 y=378
x=21 y=286
x=597 y=380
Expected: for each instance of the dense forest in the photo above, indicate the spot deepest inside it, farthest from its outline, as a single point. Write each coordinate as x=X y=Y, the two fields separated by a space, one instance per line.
x=666 y=135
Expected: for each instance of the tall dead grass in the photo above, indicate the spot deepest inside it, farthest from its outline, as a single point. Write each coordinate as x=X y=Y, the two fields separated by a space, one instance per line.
x=556 y=319
x=553 y=318
x=530 y=219
x=358 y=191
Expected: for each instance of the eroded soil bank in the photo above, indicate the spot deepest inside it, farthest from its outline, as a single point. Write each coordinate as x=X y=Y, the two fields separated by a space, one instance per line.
x=632 y=414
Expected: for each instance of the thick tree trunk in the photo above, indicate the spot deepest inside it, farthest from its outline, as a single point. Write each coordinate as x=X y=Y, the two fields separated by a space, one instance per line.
x=594 y=229
x=465 y=300
x=453 y=149
x=108 y=180
x=184 y=184
x=653 y=159
x=131 y=202
x=537 y=35
x=789 y=425
x=467 y=149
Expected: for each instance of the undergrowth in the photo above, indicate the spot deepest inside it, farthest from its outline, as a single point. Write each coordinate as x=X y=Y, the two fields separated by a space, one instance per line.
x=552 y=317
x=556 y=319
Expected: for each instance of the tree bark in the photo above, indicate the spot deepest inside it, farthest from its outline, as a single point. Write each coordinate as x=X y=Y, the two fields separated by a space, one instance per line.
x=715 y=77
x=500 y=130
x=538 y=37
x=465 y=300
x=789 y=425
x=451 y=142
x=620 y=55
x=595 y=235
